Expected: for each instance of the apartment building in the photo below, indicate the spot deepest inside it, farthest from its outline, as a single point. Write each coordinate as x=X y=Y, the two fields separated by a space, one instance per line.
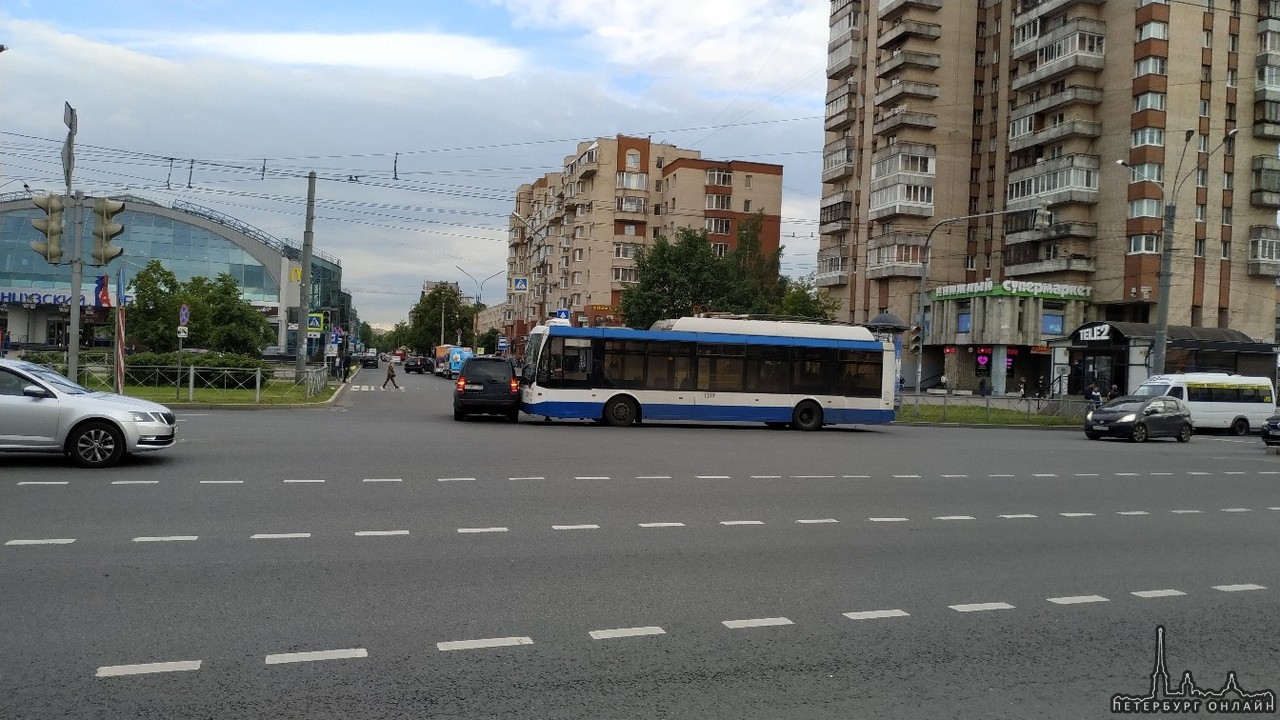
x=1018 y=111
x=574 y=233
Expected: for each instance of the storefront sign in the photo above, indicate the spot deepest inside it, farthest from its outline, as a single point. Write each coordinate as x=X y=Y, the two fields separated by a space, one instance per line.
x=44 y=297
x=1013 y=287
x=1097 y=332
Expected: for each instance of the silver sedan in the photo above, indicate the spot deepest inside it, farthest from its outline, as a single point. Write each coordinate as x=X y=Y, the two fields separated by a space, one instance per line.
x=42 y=411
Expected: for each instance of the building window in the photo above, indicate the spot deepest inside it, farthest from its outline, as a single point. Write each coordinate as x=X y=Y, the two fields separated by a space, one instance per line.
x=628 y=229
x=1204 y=108
x=1147 y=136
x=1264 y=249
x=625 y=250
x=1202 y=212
x=1149 y=101
x=1228 y=181
x=720 y=177
x=1202 y=177
x=1226 y=216
x=1232 y=76
x=1153 y=172
x=632 y=181
x=719 y=249
x=1152 y=65
x=625 y=274
x=964 y=322
x=717 y=226
x=1199 y=247
x=1153 y=29
x=970 y=262
x=746 y=206
x=577 y=255
x=577 y=278
x=631 y=204
x=633 y=159
x=1226 y=250
x=746 y=182
x=1144 y=244
x=719 y=202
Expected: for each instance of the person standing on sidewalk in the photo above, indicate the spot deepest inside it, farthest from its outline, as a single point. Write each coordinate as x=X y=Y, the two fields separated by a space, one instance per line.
x=391 y=375
x=346 y=367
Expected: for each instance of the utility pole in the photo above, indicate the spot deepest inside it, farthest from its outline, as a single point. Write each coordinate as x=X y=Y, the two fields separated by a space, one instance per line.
x=304 y=295
x=77 y=263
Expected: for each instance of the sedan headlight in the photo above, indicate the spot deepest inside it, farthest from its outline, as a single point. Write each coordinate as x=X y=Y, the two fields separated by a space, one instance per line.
x=146 y=417
x=1129 y=418
x=1088 y=415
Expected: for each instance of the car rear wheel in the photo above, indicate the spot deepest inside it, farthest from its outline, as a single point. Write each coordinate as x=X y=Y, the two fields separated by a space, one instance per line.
x=1240 y=427
x=1184 y=435
x=459 y=415
x=96 y=445
x=513 y=416
x=1139 y=433
x=620 y=411
x=807 y=416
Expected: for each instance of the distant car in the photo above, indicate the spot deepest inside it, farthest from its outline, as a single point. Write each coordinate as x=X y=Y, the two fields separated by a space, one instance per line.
x=42 y=411
x=415 y=363
x=1271 y=430
x=1138 y=417
x=370 y=360
x=488 y=386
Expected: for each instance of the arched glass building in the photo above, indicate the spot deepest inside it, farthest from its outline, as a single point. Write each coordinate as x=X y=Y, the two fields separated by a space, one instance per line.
x=188 y=240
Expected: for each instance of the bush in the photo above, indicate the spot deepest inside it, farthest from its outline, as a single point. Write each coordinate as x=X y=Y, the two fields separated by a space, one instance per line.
x=210 y=367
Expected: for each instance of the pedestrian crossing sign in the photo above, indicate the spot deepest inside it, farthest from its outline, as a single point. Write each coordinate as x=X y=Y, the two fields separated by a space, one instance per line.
x=315 y=322
x=520 y=284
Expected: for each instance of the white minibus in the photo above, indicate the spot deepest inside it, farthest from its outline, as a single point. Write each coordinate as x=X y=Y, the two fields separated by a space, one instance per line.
x=1218 y=400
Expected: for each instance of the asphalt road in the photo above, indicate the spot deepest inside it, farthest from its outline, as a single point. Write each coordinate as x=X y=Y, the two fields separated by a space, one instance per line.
x=376 y=559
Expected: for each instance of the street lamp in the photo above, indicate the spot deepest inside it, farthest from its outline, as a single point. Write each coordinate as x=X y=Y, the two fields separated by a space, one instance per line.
x=1040 y=222
x=1160 y=336
x=475 y=316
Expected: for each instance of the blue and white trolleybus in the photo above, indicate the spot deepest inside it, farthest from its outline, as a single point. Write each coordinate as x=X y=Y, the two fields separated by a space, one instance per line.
x=801 y=374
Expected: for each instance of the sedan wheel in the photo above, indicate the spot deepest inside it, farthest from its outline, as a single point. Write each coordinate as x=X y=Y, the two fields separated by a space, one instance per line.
x=1184 y=435
x=96 y=445
x=1139 y=433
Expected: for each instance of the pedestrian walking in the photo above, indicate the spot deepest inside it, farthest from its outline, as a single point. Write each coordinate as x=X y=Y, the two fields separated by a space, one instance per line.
x=391 y=376
x=1022 y=388
x=1040 y=387
x=982 y=387
x=1094 y=396
x=1115 y=393
x=4 y=344
x=346 y=367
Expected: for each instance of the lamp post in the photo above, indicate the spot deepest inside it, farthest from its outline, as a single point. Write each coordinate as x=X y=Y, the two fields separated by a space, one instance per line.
x=475 y=316
x=1040 y=221
x=1160 y=336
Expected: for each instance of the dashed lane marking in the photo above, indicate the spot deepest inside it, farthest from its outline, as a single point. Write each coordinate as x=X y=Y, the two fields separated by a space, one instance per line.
x=1198 y=472
x=590 y=477
x=1236 y=510
x=483 y=643
x=455 y=479
x=221 y=482
x=741 y=522
x=383 y=480
x=148 y=668
x=280 y=536
x=1157 y=593
x=711 y=477
x=43 y=541
x=887 y=519
x=1077 y=514
x=1086 y=474
x=817 y=521
x=380 y=533
x=1133 y=512
x=1019 y=516
x=906 y=476
x=653 y=477
x=875 y=614
x=626 y=632
x=482 y=530
x=1186 y=512
x=1001 y=476
x=575 y=527
x=955 y=476
x=1077 y=599
x=766 y=477
x=135 y=482
x=756 y=622
x=1044 y=474
x=303 y=481
x=317 y=655
x=167 y=538
x=813 y=477
x=1238 y=588
x=981 y=607
x=955 y=517
x=531 y=477
x=661 y=524
x=43 y=482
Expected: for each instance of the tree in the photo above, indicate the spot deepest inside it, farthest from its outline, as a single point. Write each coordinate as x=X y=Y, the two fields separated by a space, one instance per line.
x=752 y=282
x=802 y=298
x=437 y=316
x=220 y=319
x=488 y=340
x=674 y=279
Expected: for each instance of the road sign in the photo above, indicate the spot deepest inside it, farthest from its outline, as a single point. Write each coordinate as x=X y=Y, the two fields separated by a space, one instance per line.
x=502 y=343
x=182 y=331
x=315 y=323
x=563 y=313
x=313 y=334
x=520 y=284
x=184 y=315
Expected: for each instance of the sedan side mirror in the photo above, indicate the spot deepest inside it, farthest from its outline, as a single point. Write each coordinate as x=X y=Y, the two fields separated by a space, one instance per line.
x=36 y=391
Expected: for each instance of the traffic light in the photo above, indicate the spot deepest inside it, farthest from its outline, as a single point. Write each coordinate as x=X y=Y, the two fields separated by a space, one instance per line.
x=50 y=226
x=104 y=230
x=915 y=340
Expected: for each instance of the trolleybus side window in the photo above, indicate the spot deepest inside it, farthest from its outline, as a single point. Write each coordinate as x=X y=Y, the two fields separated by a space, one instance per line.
x=568 y=363
x=669 y=366
x=720 y=367
x=813 y=370
x=623 y=364
x=860 y=373
x=768 y=369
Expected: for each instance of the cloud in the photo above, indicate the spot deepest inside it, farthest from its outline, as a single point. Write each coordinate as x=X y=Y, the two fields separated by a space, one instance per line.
x=431 y=53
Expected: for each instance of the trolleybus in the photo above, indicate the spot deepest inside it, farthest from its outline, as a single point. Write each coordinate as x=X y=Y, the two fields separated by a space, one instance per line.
x=781 y=373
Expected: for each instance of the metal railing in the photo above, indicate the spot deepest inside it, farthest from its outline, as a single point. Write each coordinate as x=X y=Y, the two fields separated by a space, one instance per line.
x=994 y=410
x=275 y=384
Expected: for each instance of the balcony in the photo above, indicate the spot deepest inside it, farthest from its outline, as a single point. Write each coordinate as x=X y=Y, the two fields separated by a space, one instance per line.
x=1072 y=263
x=907 y=89
x=831 y=279
x=906 y=118
x=841 y=102
x=839 y=160
x=841 y=60
x=1093 y=62
x=1074 y=95
x=891 y=10
x=1041 y=8
x=1264 y=260
x=849 y=34
x=895 y=269
x=909 y=29
x=1056 y=231
x=1264 y=130
x=1266 y=181
x=902 y=209
x=1061 y=131
x=908 y=58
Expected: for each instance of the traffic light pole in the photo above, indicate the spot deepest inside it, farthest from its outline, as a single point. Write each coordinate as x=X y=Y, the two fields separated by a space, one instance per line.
x=77 y=279
x=304 y=294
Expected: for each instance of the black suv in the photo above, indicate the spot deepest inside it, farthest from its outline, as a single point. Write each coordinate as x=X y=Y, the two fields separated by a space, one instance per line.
x=488 y=386
x=369 y=360
x=415 y=363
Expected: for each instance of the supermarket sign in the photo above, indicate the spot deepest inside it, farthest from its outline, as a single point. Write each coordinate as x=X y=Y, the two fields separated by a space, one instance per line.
x=1019 y=288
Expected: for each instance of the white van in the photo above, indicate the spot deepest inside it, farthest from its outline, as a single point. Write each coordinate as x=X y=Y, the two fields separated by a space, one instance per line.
x=1218 y=400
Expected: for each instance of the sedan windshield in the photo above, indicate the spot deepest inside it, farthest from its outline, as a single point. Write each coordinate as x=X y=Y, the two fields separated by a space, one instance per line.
x=52 y=378
x=1128 y=405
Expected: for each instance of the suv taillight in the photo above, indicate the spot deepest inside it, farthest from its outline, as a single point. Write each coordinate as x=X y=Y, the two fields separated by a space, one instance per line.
x=515 y=385
x=462 y=383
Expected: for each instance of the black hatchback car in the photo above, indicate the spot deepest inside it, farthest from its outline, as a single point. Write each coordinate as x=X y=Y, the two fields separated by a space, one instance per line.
x=487 y=386
x=415 y=363
x=1139 y=417
x=1271 y=431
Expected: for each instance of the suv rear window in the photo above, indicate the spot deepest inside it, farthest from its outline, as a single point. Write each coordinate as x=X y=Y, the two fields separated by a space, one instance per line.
x=495 y=370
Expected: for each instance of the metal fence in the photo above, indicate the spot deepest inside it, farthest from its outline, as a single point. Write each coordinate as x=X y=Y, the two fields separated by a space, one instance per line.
x=994 y=410
x=193 y=383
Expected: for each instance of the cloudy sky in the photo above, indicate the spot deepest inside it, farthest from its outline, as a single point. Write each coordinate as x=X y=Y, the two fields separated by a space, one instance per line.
x=421 y=117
